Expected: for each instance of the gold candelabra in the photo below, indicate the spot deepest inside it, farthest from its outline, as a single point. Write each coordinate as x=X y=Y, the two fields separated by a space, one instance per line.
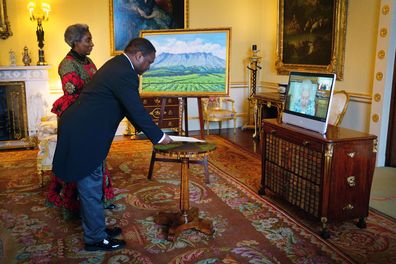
x=39 y=12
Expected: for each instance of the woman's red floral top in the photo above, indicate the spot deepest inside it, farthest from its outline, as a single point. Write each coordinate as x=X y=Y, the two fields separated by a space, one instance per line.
x=75 y=71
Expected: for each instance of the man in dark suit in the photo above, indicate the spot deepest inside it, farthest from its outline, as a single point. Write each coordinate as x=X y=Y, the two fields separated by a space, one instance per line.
x=87 y=128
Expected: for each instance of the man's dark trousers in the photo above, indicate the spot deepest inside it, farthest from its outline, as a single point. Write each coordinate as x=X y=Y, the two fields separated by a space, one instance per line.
x=91 y=207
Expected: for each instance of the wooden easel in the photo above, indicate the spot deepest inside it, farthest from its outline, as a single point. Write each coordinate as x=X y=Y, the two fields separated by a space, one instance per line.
x=184 y=102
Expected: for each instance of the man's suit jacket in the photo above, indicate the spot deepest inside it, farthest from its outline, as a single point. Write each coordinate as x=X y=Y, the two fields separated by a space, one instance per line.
x=87 y=128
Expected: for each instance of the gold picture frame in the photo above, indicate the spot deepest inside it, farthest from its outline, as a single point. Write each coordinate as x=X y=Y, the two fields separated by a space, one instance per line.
x=189 y=63
x=311 y=37
x=5 y=28
x=128 y=18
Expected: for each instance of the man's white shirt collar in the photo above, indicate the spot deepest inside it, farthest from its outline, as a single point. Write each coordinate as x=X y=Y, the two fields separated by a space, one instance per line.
x=129 y=60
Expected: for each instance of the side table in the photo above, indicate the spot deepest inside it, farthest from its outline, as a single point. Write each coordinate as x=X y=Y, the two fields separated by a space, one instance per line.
x=186 y=217
x=267 y=99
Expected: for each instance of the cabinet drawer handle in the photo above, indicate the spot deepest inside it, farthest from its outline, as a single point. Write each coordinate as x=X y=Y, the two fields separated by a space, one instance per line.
x=348 y=207
x=351 y=181
x=351 y=154
x=156 y=113
x=305 y=143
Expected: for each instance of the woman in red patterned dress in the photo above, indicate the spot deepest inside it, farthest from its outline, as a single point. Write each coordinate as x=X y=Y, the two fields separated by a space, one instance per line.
x=75 y=70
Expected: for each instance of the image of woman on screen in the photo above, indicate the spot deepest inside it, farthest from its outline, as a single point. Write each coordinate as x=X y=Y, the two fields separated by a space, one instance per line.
x=303 y=98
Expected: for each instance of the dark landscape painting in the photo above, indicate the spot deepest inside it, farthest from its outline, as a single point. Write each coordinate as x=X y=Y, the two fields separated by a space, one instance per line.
x=308 y=31
x=129 y=17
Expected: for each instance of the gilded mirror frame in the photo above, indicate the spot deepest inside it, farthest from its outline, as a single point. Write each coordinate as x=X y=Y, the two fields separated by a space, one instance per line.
x=5 y=28
x=335 y=60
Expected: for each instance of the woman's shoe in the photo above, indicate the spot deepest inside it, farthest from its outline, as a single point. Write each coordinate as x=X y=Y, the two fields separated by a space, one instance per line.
x=111 y=206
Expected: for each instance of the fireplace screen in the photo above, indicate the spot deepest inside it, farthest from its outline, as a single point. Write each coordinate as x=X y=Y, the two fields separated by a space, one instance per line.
x=13 y=115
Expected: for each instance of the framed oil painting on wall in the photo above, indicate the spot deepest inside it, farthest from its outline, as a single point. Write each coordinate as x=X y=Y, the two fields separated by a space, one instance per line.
x=5 y=29
x=189 y=63
x=129 y=17
x=311 y=36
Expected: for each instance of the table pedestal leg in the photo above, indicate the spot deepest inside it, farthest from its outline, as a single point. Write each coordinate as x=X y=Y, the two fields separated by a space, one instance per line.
x=178 y=222
x=186 y=218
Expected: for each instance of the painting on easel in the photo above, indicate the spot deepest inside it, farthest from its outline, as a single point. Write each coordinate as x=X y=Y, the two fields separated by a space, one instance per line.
x=189 y=63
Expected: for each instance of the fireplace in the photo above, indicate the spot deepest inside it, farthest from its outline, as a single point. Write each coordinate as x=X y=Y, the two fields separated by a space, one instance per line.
x=13 y=122
x=24 y=95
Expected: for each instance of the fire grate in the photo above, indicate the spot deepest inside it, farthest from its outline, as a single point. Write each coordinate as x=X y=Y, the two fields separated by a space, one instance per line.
x=13 y=116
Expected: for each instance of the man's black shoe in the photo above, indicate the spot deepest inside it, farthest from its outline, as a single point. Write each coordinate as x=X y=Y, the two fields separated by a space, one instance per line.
x=113 y=232
x=108 y=244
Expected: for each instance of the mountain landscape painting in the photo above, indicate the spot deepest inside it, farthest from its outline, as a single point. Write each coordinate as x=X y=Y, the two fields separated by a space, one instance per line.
x=188 y=63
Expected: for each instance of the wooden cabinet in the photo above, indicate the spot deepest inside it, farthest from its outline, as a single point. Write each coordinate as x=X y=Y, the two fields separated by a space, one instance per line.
x=172 y=112
x=327 y=176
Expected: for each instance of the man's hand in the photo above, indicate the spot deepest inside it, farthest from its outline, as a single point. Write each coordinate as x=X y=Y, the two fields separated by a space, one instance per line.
x=166 y=140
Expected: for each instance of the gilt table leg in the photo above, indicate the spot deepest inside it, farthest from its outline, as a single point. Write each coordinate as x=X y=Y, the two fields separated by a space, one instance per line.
x=184 y=191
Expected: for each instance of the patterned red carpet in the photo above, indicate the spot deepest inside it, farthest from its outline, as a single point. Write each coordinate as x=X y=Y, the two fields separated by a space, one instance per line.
x=375 y=244
x=248 y=228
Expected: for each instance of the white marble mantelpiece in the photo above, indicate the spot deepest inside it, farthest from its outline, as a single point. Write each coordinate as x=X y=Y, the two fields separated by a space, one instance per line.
x=25 y=73
x=36 y=87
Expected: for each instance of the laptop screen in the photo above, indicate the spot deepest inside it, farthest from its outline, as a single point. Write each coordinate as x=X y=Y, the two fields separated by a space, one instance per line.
x=309 y=94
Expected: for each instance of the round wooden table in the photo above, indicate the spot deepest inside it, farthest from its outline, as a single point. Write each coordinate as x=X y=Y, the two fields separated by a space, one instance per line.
x=186 y=218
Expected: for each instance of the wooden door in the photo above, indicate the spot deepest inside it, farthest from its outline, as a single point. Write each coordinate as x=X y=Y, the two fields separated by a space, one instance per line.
x=390 y=158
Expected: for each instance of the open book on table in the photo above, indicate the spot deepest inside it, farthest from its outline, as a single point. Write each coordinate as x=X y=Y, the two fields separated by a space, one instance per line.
x=185 y=139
